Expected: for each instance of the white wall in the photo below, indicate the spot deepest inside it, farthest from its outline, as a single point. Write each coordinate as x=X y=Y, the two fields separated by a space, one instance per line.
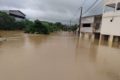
x=18 y=19
x=108 y=27
x=111 y=1
x=111 y=28
x=87 y=30
x=87 y=20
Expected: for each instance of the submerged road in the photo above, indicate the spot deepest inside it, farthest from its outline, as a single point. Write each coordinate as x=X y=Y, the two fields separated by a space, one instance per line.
x=60 y=56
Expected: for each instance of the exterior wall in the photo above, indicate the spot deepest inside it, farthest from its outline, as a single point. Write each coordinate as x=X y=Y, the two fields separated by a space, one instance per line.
x=19 y=19
x=111 y=21
x=111 y=1
x=87 y=20
x=87 y=30
x=97 y=23
x=111 y=28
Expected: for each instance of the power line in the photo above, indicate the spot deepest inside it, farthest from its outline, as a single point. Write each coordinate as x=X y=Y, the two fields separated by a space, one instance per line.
x=90 y=7
x=99 y=6
x=81 y=14
x=82 y=5
x=77 y=11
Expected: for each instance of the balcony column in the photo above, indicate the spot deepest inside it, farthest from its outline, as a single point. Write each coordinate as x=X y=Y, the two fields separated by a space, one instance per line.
x=110 y=41
x=101 y=39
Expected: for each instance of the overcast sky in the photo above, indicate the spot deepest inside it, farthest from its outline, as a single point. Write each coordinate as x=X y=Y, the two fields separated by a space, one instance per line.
x=51 y=10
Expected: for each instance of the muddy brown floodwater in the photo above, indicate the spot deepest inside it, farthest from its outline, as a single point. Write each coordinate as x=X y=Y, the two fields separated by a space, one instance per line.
x=59 y=56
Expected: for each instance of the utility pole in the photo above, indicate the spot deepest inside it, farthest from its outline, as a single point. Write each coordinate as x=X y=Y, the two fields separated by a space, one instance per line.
x=80 y=20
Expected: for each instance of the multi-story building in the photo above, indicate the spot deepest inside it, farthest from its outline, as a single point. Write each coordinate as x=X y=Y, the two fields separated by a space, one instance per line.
x=90 y=26
x=110 y=28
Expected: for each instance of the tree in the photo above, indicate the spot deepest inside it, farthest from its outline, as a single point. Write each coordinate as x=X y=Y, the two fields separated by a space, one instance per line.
x=6 y=21
x=40 y=28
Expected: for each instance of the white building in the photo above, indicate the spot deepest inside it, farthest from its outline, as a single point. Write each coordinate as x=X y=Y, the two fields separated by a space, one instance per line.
x=18 y=15
x=110 y=28
x=90 y=25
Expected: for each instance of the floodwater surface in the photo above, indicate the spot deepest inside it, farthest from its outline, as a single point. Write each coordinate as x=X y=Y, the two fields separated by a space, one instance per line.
x=59 y=56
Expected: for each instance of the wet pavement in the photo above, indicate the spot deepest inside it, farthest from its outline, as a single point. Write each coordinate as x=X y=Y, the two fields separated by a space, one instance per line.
x=59 y=56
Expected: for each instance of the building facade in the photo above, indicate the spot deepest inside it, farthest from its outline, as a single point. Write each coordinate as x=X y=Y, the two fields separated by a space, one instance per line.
x=110 y=28
x=90 y=26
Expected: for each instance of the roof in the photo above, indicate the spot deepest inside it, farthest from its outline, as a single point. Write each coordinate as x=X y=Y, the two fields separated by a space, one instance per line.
x=15 y=13
x=92 y=15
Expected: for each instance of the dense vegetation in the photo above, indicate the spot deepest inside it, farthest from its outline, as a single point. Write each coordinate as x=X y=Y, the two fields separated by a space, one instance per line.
x=6 y=21
x=38 y=27
x=41 y=27
x=72 y=28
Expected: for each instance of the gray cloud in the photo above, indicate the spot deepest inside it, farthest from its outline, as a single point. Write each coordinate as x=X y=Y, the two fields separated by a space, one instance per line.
x=50 y=10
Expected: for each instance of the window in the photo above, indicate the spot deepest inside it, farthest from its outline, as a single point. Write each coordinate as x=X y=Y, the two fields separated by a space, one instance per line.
x=87 y=25
x=118 y=6
x=110 y=8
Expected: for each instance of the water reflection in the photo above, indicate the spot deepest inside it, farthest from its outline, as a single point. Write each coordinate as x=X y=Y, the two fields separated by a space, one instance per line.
x=86 y=53
x=34 y=41
x=108 y=60
x=59 y=56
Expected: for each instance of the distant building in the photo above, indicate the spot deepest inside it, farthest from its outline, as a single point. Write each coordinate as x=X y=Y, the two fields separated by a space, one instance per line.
x=91 y=25
x=18 y=15
x=110 y=29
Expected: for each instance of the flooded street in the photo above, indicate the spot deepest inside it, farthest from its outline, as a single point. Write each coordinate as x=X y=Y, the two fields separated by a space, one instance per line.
x=59 y=56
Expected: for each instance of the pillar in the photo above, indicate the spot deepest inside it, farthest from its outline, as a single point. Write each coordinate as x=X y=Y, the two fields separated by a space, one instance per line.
x=101 y=38
x=90 y=36
x=110 y=41
x=93 y=37
x=82 y=35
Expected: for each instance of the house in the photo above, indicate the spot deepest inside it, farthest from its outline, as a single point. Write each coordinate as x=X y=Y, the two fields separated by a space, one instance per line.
x=18 y=15
x=110 y=28
x=90 y=26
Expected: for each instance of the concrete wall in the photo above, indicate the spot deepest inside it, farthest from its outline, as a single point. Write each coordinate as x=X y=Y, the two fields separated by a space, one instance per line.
x=97 y=23
x=19 y=19
x=111 y=1
x=87 y=30
x=111 y=21
x=87 y=20
x=111 y=28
